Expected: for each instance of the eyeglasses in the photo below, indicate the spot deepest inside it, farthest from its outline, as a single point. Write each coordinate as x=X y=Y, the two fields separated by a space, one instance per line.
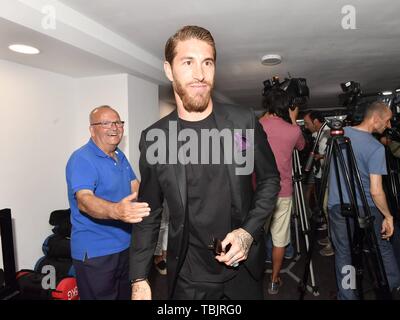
x=109 y=124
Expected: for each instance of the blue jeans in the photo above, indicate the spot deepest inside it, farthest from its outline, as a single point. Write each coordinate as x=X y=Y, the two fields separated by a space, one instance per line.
x=343 y=255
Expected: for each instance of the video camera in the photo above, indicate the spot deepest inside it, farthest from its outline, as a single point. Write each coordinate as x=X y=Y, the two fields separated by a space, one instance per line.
x=392 y=99
x=296 y=88
x=356 y=101
x=336 y=122
x=351 y=93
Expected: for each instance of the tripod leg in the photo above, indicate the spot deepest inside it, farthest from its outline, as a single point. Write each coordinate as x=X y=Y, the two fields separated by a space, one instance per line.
x=302 y=213
x=306 y=232
x=381 y=251
x=310 y=247
x=346 y=171
x=370 y=229
x=363 y=232
x=296 y=221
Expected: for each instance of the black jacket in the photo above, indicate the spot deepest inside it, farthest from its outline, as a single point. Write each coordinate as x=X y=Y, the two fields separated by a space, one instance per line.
x=250 y=208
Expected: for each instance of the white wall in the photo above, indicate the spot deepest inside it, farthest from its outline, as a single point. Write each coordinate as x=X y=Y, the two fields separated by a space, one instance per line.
x=166 y=108
x=92 y=92
x=144 y=110
x=45 y=118
x=36 y=136
x=136 y=101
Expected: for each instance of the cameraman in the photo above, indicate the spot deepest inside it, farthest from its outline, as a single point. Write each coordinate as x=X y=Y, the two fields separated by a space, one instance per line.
x=313 y=121
x=370 y=158
x=283 y=133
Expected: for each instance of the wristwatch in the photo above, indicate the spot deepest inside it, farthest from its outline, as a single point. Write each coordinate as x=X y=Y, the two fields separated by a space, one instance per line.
x=139 y=280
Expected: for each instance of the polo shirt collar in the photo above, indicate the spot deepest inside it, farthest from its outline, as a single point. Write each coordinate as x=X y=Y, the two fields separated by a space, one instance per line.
x=100 y=152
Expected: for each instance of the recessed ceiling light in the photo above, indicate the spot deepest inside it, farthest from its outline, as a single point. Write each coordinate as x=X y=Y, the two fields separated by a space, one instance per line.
x=386 y=93
x=21 y=48
x=271 y=59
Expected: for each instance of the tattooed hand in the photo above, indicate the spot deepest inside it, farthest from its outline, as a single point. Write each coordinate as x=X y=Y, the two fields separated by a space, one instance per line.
x=141 y=290
x=240 y=241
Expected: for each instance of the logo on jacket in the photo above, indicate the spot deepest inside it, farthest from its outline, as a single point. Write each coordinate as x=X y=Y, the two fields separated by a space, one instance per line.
x=241 y=142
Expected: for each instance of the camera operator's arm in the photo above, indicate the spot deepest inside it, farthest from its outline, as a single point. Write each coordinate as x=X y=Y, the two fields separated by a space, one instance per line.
x=293 y=114
x=301 y=142
x=379 y=197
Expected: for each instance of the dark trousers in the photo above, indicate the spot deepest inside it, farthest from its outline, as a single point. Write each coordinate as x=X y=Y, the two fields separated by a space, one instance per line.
x=317 y=182
x=242 y=287
x=104 y=278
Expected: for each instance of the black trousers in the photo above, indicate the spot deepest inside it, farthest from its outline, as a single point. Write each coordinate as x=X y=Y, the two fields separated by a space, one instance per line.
x=104 y=278
x=242 y=287
x=317 y=182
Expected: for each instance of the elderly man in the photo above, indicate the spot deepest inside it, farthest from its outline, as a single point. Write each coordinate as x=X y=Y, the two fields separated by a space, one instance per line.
x=101 y=189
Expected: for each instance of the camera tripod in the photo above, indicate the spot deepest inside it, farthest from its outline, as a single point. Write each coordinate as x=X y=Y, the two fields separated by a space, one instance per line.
x=312 y=163
x=362 y=241
x=300 y=214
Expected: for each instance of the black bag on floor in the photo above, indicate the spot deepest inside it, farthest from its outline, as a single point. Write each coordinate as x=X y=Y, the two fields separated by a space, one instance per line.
x=63 y=267
x=31 y=287
x=60 y=219
x=57 y=246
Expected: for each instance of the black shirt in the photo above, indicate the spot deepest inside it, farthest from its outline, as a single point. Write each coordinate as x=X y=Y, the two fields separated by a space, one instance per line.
x=209 y=207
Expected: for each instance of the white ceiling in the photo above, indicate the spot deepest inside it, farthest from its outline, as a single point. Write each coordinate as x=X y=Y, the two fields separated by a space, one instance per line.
x=56 y=55
x=104 y=36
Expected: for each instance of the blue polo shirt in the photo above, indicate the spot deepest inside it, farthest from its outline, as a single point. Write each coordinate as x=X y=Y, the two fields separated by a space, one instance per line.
x=91 y=168
x=370 y=158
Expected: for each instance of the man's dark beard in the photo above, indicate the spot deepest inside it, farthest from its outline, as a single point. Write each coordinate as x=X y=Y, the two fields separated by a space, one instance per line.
x=197 y=104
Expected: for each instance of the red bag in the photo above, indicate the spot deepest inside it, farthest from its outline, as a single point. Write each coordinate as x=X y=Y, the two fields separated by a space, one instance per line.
x=30 y=286
x=67 y=289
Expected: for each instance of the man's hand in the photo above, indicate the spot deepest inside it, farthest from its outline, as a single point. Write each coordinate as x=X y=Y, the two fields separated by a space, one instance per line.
x=387 y=227
x=131 y=212
x=141 y=290
x=240 y=241
x=379 y=198
x=318 y=156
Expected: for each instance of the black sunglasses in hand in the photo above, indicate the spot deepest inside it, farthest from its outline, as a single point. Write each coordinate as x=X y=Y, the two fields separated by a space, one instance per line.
x=216 y=246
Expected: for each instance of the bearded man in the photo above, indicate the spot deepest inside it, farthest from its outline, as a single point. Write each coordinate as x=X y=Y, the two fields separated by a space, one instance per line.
x=215 y=237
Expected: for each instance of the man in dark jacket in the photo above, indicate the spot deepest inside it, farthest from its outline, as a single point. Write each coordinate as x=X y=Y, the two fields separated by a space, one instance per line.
x=215 y=244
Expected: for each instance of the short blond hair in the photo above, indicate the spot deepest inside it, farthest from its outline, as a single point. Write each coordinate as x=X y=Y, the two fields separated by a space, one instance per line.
x=377 y=107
